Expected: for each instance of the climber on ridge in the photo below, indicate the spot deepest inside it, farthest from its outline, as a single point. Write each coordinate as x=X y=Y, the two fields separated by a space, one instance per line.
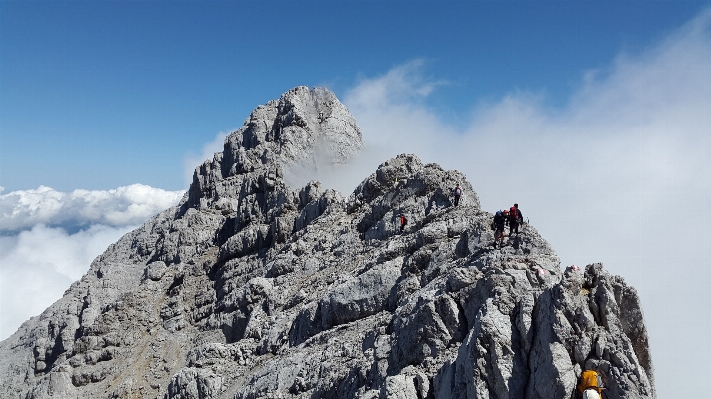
x=499 y=226
x=457 y=191
x=403 y=221
x=515 y=218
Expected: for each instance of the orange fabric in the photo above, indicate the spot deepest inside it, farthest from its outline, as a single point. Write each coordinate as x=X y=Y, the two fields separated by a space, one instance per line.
x=589 y=379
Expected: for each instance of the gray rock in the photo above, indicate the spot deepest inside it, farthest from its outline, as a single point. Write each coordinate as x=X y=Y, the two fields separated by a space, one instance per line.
x=250 y=288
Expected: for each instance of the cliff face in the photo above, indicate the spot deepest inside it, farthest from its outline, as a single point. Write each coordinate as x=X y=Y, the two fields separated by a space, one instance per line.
x=252 y=289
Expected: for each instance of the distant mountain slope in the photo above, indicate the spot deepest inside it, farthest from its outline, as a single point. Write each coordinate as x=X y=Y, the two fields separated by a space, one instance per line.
x=251 y=289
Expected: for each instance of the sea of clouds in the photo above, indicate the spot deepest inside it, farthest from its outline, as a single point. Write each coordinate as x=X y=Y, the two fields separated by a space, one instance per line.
x=619 y=175
x=48 y=239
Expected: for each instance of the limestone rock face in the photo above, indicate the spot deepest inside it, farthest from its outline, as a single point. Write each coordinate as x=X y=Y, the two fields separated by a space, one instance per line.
x=252 y=289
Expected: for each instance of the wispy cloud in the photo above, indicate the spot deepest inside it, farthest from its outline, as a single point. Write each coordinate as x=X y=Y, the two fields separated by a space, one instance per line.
x=391 y=112
x=403 y=84
x=209 y=149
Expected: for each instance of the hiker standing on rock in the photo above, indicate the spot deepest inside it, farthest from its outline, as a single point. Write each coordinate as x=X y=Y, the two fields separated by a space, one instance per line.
x=515 y=217
x=403 y=221
x=457 y=194
x=499 y=226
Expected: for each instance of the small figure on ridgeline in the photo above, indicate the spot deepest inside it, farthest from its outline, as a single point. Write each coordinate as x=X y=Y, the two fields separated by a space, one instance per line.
x=457 y=194
x=515 y=218
x=499 y=226
x=403 y=221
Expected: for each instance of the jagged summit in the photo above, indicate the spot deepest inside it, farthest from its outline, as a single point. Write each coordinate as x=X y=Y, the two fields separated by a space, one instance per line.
x=253 y=289
x=303 y=128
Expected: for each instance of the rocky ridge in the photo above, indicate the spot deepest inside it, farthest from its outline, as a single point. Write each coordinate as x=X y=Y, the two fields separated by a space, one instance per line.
x=251 y=289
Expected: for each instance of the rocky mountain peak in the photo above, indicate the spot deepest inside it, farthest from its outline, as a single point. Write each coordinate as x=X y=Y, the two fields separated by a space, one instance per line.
x=253 y=289
x=304 y=128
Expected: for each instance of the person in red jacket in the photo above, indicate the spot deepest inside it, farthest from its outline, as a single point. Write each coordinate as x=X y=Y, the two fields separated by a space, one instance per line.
x=403 y=222
x=515 y=218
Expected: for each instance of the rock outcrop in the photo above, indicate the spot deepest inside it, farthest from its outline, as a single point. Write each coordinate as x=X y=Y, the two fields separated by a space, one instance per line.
x=251 y=289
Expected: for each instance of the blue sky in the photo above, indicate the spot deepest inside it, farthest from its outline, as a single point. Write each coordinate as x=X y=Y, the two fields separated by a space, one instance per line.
x=594 y=116
x=102 y=94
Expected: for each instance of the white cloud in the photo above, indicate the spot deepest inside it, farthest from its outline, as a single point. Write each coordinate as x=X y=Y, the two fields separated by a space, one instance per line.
x=620 y=175
x=209 y=149
x=402 y=84
x=38 y=265
x=49 y=239
x=130 y=205
x=393 y=119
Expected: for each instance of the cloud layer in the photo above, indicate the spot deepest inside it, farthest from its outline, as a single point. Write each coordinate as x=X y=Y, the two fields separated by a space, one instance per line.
x=130 y=205
x=49 y=238
x=38 y=265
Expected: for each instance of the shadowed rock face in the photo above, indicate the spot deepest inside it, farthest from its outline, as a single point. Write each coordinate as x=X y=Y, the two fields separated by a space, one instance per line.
x=251 y=289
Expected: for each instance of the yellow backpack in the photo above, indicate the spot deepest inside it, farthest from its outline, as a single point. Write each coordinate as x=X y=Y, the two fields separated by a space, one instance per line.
x=590 y=379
